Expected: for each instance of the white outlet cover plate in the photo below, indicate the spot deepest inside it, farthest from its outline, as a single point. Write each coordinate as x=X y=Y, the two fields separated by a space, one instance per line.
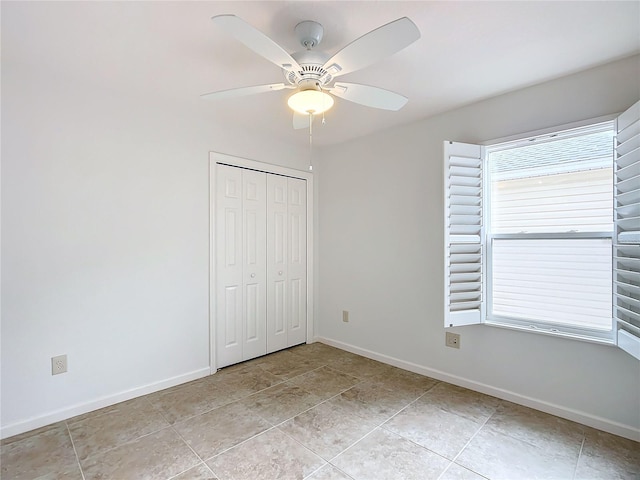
x=452 y=340
x=58 y=364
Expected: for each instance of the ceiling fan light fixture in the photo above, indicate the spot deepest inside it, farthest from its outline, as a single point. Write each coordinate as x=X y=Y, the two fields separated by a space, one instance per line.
x=310 y=102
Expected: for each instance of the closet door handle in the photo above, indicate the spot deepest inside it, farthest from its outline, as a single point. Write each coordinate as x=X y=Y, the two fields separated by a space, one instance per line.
x=280 y=272
x=253 y=275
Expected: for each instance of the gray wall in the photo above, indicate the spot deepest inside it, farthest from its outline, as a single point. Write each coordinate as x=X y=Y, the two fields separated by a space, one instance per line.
x=105 y=231
x=105 y=243
x=381 y=255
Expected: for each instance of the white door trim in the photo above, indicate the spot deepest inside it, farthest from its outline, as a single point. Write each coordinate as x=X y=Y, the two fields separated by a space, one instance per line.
x=215 y=158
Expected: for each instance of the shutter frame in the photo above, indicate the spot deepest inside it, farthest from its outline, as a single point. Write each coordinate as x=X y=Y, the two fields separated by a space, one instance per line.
x=626 y=250
x=464 y=281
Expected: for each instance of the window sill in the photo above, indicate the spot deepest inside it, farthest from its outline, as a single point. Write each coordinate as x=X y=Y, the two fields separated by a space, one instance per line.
x=543 y=331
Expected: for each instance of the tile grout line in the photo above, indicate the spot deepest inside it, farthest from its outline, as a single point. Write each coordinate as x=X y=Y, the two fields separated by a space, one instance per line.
x=276 y=426
x=194 y=452
x=184 y=419
x=408 y=439
x=575 y=470
x=352 y=444
x=238 y=444
x=273 y=426
x=159 y=410
x=308 y=371
x=380 y=425
x=260 y=366
x=320 y=403
x=286 y=419
x=315 y=471
x=191 y=417
x=283 y=381
x=131 y=440
x=411 y=402
x=361 y=380
x=311 y=408
x=73 y=444
x=509 y=434
x=172 y=426
x=422 y=446
x=102 y=452
x=467 y=444
x=324 y=466
x=126 y=441
x=306 y=448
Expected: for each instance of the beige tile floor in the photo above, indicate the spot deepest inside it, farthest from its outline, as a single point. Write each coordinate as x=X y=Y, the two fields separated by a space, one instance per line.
x=318 y=413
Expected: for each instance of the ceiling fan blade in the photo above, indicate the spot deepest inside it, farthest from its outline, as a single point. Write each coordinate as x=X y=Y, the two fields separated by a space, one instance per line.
x=369 y=96
x=373 y=46
x=244 y=91
x=256 y=41
x=301 y=120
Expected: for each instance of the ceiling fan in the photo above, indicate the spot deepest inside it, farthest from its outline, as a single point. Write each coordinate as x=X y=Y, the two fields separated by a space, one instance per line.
x=312 y=73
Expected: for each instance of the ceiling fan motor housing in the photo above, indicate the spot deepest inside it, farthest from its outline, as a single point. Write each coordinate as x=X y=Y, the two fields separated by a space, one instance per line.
x=311 y=62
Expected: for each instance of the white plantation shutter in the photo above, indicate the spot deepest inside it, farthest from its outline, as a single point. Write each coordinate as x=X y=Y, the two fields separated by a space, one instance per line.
x=626 y=252
x=464 y=233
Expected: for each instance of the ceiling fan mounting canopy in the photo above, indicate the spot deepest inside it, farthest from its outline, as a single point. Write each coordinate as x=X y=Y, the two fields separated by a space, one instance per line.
x=315 y=71
x=309 y=33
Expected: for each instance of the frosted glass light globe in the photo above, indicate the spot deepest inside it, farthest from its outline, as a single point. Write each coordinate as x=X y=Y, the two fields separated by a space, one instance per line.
x=310 y=102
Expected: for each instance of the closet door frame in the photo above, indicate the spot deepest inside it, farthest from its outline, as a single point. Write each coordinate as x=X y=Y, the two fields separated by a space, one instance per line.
x=221 y=158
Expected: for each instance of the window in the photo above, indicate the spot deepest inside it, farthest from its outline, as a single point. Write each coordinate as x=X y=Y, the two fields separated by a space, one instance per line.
x=549 y=225
x=543 y=233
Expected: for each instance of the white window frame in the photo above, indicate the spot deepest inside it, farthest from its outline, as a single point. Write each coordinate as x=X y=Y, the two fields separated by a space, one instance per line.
x=606 y=336
x=458 y=288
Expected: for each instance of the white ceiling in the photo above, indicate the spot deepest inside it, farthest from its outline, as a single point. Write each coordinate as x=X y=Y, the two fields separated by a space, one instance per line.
x=170 y=52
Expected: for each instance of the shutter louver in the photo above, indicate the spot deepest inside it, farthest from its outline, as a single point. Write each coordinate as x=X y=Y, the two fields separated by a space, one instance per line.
x=626 y=254
x=464 y=234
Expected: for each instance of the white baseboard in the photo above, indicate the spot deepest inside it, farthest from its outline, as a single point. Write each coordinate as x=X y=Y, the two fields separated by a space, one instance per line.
x=547 y=407
x=81 y=408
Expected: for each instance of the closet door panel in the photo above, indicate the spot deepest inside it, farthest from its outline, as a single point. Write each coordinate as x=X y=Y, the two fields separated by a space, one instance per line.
x=254 y=192
x=297 y=261
x=232 y=305
x=277 y=257
x=279 y=307
x=296 y=296
x=229 y=265
x=261 y=263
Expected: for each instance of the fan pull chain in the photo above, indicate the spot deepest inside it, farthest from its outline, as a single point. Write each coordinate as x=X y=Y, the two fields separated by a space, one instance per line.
x=310 y=142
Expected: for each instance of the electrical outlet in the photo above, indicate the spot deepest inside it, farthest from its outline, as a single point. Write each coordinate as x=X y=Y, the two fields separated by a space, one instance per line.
x=345 y=316
x=452 y=340
x=58 y=364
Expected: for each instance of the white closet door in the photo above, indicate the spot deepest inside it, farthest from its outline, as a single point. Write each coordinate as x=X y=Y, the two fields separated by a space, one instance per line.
x=261 y=263
x=229 y=271
x=297 y=261
x=277 y=311
x=254 y=214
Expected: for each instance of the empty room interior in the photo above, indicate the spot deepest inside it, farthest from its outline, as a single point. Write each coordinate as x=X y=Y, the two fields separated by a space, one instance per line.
x=327 y=240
